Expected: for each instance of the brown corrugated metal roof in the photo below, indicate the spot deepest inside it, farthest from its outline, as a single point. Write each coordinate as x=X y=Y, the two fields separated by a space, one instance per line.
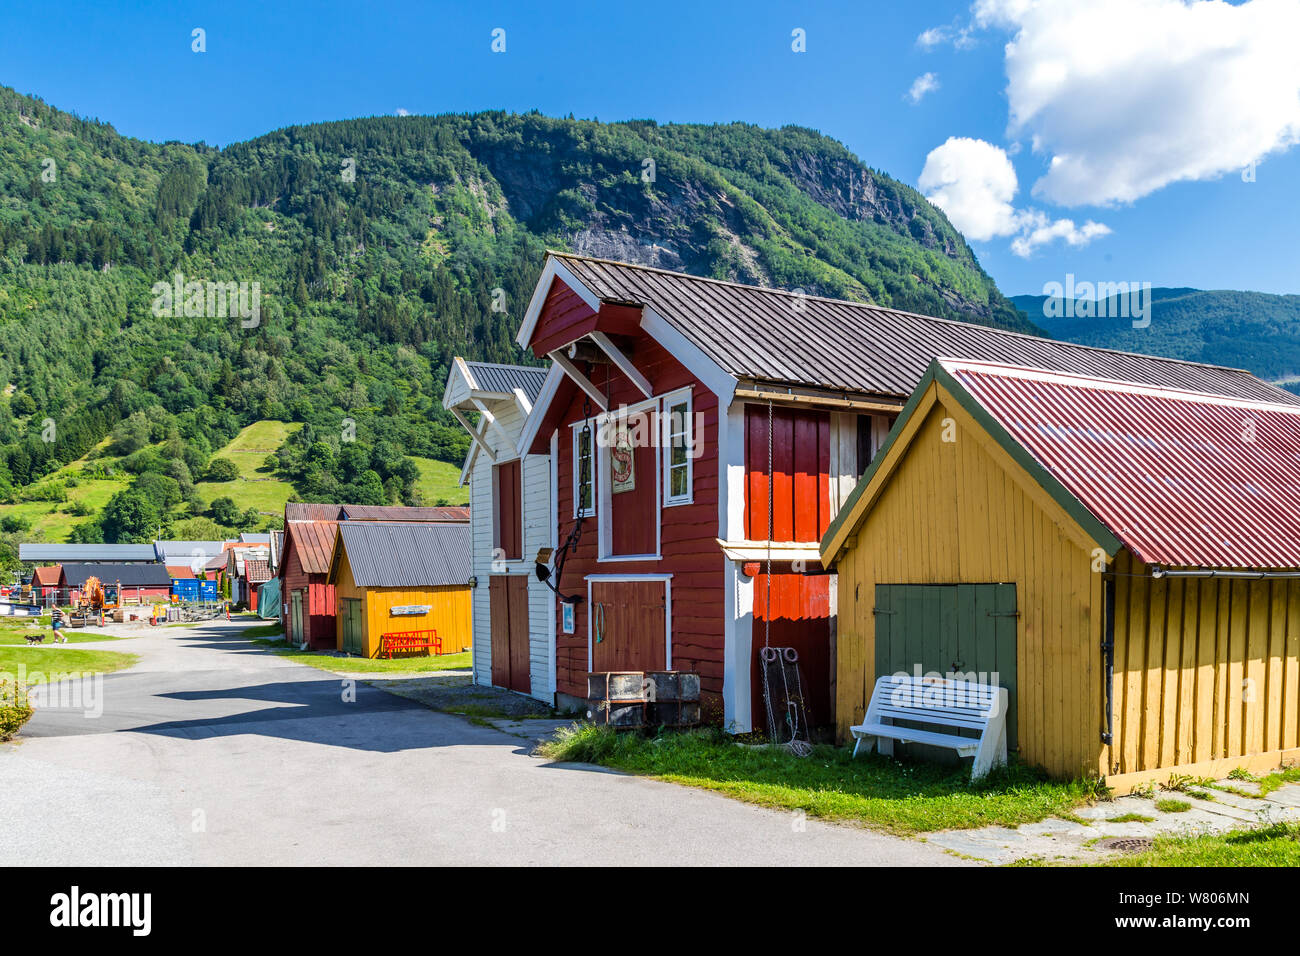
x=1182 y=479
x=311 y=511
x=314 y=542
x=403 y=513
x=407 y=553
x=257 y=570
x=771 y=335
x=46 y=576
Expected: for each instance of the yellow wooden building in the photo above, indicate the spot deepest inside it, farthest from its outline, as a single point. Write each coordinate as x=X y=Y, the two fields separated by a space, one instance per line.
x=393 y=577
x=1122 y=558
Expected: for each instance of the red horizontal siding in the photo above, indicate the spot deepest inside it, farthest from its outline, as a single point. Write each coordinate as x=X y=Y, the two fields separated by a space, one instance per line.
x=688 y=543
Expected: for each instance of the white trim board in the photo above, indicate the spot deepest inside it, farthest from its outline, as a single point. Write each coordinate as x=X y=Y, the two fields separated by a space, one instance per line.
x=545 y=396
x=554 y=269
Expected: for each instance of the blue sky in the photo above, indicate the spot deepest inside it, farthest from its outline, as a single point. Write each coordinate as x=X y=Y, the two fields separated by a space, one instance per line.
x=1139 y=134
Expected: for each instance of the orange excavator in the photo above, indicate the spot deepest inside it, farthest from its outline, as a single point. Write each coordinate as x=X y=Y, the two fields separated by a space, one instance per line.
x=91 y=604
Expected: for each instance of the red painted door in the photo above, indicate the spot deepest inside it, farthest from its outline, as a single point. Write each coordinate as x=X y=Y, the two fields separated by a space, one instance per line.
x=509 y=518
x=628 y=626
x=508 y=606
x=799 y=617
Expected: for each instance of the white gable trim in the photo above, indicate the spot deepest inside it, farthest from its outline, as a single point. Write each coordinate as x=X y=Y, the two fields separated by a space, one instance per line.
x=544 y=397
x=554 y=269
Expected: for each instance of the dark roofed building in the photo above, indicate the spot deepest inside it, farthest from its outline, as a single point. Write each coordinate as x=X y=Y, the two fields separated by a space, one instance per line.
x=140 y=583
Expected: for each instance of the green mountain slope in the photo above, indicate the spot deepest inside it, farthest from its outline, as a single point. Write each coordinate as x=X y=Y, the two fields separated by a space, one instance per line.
x=380 y=248
x=1250 y=330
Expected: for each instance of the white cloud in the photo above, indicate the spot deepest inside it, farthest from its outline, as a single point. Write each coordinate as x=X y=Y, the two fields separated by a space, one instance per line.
x=959 y=36
x=1039 y=230
x=923 y=84
x=403 y=112
x=974 y=183
x=1124 y=97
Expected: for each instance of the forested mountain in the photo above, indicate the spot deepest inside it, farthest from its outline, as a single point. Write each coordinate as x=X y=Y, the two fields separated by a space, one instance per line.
x=1251 y=330
x=380 y=247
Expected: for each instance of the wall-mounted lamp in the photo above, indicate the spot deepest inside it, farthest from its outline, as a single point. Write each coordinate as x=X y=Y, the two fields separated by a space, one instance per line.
x=473 y=580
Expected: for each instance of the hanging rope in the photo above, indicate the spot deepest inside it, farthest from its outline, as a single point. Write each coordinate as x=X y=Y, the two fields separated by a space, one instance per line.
x=785 y=659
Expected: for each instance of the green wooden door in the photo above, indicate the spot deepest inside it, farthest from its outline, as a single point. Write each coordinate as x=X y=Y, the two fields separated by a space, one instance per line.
x=295 y=617
x=968 y=629
x=351 y=608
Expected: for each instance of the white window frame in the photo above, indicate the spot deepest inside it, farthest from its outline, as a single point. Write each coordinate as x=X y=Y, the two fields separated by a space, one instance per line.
x=666 y=447
x=576 y=428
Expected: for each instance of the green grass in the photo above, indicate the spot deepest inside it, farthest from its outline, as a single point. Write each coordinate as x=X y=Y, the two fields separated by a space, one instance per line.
x=256 y=487
x=53 y=521
x=904 y=798
x=1131 y=818
x=16 y=636
x=1270 y=782
x=362 y=665
x=439 y=481
x=61 y=660
x=1277 y=845
x=1173 y=806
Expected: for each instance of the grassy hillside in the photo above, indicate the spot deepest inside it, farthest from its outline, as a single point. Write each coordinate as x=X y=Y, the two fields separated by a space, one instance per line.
x=1249 y=330
x=257 y=485
x=439 y=481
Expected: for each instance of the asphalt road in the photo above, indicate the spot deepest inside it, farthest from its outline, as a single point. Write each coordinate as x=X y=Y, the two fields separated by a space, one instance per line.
x=213 y=751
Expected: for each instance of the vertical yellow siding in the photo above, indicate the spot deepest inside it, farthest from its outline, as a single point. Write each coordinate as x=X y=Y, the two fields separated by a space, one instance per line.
x=1206 y=669
x=449 y=612
x=449 y=615
x=962 y=511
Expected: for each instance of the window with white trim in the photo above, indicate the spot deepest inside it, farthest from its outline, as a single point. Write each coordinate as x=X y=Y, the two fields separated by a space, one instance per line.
x=678 y=448
x=584 y=466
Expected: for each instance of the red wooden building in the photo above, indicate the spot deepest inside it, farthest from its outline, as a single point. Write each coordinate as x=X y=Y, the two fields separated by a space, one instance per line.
x=673 y=404
x=309 y=600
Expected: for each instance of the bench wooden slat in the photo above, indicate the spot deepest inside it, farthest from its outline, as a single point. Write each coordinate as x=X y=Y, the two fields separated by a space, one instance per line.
x=937 y=703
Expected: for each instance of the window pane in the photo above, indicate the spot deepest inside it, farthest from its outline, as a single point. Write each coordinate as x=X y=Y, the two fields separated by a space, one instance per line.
x=677 y=482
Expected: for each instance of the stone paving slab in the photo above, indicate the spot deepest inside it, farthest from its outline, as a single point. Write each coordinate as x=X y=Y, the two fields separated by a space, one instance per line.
x=1056 y=839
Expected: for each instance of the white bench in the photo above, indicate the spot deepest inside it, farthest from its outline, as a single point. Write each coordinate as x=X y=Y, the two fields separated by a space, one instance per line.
x=937 y=702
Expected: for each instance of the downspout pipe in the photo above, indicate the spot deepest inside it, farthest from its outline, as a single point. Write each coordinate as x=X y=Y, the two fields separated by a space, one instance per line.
x=1108 y=657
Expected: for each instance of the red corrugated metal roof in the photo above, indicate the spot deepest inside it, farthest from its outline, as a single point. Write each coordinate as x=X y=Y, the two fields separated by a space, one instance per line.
x=314 y=542
x=1183 y=479
x=180 y=570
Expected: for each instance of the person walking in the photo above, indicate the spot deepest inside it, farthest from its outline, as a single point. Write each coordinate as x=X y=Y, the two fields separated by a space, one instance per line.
x=56 y=625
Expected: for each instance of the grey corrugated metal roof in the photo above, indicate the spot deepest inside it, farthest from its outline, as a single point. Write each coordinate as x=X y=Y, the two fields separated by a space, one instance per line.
x=506 y=378
x=407 y=554
x=771 y=335
x=86 y=552
x=183 y=552
x=129 y=575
